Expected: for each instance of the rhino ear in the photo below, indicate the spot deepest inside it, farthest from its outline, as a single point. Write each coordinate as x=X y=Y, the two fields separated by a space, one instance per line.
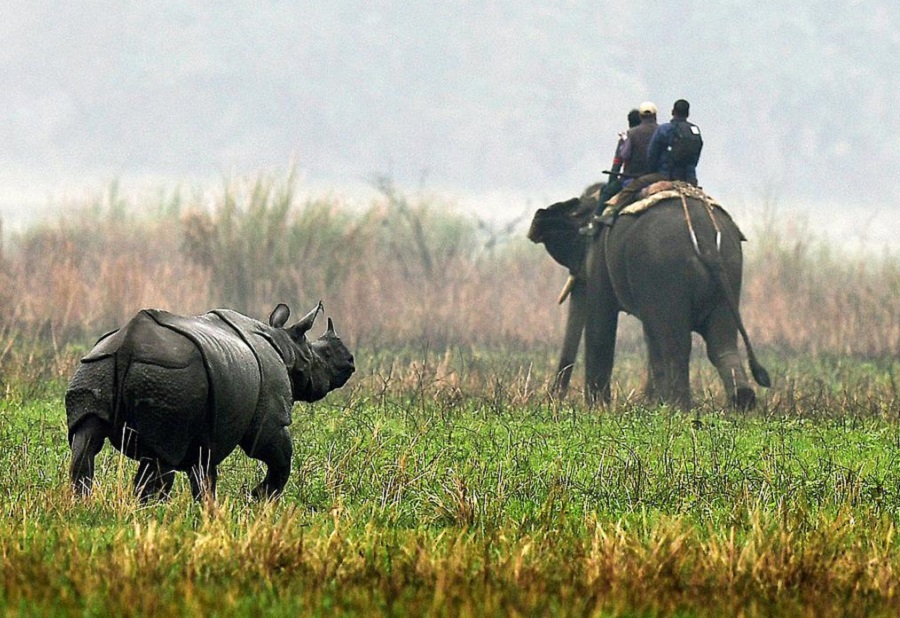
x=303 y=326
x=279 y=316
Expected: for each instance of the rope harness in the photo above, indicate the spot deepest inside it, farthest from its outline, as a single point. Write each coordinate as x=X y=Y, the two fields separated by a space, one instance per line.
x=685 y=191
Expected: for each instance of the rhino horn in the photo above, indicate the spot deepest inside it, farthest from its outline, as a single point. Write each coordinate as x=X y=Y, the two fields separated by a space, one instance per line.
x=279 y=316
x=330 y=328
x=303 y=326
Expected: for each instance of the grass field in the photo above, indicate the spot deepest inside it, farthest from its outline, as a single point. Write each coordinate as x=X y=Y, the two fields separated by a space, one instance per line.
x=443 y=479
x=411 y=495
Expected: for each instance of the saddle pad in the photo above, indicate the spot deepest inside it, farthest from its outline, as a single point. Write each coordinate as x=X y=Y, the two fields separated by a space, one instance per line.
x=656 y=196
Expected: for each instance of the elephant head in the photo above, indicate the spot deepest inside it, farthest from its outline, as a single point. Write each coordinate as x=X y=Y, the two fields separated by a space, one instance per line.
x=557 y=228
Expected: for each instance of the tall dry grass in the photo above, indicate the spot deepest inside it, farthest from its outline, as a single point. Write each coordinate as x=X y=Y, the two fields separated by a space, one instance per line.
x=803 y=295
x=406 y=270
x=280 y=563
x=402 y=270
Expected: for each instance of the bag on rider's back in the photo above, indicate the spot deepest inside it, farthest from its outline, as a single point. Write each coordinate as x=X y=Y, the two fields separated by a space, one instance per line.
x=686 y=144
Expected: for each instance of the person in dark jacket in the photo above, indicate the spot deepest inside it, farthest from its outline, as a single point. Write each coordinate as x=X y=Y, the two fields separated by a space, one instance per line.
x=634 y=162
x=637 y=142
x=614 y=184
x=674 y=150
x=634 y=119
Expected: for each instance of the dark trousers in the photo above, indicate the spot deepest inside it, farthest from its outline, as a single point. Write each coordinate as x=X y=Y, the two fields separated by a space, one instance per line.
x=610 y=189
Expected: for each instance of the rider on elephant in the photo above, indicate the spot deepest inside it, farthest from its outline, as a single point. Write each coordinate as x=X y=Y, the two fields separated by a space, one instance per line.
x=633 y=154
x=675 y=148
x=672 y=154
x=637 y=142
x=615 y=184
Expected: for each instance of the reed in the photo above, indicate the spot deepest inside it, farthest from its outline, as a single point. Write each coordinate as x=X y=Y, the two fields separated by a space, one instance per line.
x=406 y=269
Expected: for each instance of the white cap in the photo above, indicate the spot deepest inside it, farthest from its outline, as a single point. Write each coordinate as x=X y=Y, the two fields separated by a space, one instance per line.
x=647 y=109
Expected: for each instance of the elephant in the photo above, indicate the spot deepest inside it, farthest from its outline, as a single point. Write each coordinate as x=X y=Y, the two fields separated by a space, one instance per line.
x=180 y=393
x=677 y=267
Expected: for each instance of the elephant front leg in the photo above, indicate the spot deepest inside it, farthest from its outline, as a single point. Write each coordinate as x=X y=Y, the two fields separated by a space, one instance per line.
x=574 y=330
x=599 y=352
x=601 y=322
x=271 y=445
x=86 y=442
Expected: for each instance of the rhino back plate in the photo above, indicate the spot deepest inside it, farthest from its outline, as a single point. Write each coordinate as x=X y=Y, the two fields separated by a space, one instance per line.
x=93 y=388
x=234 y=374
x=91 y=392
x=275 y=400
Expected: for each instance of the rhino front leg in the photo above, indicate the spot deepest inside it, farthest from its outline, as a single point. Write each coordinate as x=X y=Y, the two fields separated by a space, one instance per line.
x=86 y=441
x=203 y=482
x=272 y=445
x=153 y=480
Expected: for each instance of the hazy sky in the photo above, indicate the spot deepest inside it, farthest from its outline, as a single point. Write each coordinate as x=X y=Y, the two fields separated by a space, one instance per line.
x=516 y=102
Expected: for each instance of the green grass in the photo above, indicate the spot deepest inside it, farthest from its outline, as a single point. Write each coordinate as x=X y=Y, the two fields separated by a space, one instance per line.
x=453 y=485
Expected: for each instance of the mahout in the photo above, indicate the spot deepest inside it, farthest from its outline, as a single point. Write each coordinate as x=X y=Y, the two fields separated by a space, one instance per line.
x=180 y=393
x=674 y=261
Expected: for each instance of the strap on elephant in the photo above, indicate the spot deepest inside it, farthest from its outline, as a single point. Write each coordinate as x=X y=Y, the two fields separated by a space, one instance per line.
x=714 y=264
x=687 y=217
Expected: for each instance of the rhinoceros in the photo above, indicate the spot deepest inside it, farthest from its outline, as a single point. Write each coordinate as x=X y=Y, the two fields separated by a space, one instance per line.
x=179 y=393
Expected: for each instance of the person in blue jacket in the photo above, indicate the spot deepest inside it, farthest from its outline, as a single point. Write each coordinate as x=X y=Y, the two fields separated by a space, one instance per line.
x=675 y=147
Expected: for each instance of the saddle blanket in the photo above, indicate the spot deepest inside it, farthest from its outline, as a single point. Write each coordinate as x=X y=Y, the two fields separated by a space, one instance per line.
x=664 y=190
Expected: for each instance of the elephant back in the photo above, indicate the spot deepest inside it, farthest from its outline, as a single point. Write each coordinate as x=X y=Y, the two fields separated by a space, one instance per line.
x=663 y=257
x=665 y=191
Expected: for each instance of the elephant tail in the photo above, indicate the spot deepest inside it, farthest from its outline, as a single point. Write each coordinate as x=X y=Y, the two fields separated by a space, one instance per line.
x=714 y=264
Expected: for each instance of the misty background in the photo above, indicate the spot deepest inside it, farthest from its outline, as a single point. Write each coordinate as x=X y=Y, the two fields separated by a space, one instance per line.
x=501 y=107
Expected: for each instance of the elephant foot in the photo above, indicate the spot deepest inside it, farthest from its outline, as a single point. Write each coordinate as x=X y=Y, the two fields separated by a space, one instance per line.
x=744 y=398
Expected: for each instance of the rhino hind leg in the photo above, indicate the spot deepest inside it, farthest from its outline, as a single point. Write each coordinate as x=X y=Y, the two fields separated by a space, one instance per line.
x=168 y=407
x=271 y=445
x=153 y=480
x=86 y=439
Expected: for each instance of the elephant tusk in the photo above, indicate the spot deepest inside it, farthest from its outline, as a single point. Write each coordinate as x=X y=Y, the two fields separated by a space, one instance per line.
x=567 y=289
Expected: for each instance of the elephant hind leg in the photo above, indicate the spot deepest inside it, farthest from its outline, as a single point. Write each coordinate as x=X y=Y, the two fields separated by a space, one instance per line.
x=720 y=334
x=153 y=480
x=271 y=445
x=86 y=441
x=669 y=349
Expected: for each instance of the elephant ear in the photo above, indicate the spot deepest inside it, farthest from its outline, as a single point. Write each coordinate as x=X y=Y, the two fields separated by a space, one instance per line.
x=557 y=228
